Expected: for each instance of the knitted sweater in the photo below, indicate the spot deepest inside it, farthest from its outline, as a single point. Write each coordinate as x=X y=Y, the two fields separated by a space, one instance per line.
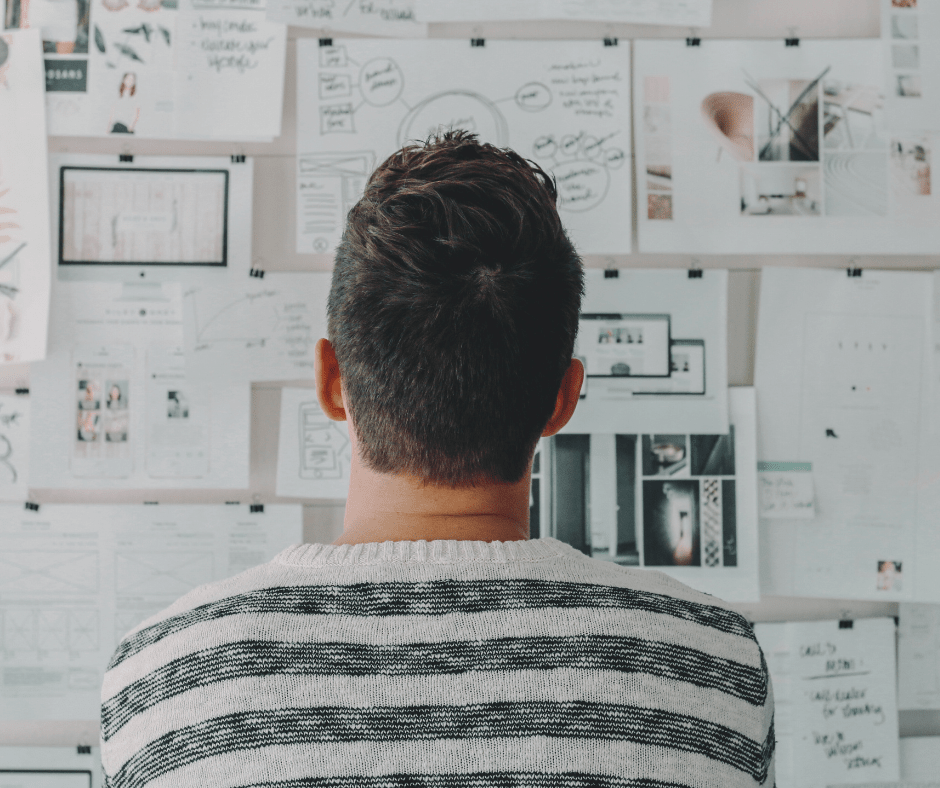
x=439 y=664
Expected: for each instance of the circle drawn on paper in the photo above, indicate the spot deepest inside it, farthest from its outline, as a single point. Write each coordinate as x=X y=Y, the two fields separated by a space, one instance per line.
x=381 y=82
x=455 y=109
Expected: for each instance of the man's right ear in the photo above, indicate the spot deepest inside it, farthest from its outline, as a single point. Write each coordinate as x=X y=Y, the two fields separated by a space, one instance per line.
x=329 y=384
x=568 y=395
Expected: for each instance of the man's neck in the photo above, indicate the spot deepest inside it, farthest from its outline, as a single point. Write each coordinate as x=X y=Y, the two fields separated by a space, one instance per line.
x=386 y=508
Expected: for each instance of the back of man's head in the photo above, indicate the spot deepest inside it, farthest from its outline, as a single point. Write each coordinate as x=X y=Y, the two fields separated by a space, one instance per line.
x=453 y=312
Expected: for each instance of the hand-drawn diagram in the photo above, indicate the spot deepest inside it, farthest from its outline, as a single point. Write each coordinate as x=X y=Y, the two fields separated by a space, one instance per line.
x=14 y=446
x=48 y=572
x=49 y=629
x=328 y=186
x=324 y=445
x=157 y=573
x=250 y=320
x=568 y=111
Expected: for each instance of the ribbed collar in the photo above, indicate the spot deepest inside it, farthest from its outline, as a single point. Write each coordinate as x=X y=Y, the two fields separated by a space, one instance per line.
x=439 y=551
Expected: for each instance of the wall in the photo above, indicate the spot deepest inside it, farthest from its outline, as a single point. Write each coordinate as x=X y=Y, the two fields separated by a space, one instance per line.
x=273 y=249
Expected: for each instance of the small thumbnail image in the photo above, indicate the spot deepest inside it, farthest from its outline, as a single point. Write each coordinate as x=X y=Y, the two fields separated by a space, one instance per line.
x=910 y=167
x=787 y=190
x=671 y=523
x=903 y=26
x=665 y=455
x=89 y=394
x=88 y=426
x=115 y=427
x=713 y=455
x=889 y=576
x=786 y=122
x=116 y=394
x=658 y=177
x=907 y=85
x=659 y=206
x=905 y=56
x=904 y=3
x=177 y=405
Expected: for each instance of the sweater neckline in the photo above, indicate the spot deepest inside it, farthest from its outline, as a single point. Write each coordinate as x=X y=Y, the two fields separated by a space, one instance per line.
x=438 y=551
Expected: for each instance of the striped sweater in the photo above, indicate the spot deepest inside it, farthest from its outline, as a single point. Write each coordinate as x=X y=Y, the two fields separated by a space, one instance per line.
x=439 y=665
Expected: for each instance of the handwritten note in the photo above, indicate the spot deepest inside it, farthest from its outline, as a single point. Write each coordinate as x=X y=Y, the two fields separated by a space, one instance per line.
x=374 y=17
x=834 y=686
x=14 y=447
x=785 y=490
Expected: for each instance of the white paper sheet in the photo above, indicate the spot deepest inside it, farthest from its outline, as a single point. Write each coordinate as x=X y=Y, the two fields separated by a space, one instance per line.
x=189 y=70
x=836 y=714
x=372 y=17
x=920 y=759
x=683 y=504
x=754 y=147
x=313 y=453
x=563 y=104
x=50 y=767
x=24 y=218
x=261 y=329
x=911 y=33
x=113 y=406
x=694 y=396
x=14 y=447
x=76 y=579
x=919 y=657
x=841 y=384
x=644 y=12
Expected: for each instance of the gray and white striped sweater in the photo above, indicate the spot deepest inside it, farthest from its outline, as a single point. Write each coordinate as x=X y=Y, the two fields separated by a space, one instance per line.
x=440 y=665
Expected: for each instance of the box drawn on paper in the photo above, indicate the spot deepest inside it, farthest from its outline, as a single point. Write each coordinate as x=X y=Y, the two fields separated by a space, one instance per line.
x=325 y=451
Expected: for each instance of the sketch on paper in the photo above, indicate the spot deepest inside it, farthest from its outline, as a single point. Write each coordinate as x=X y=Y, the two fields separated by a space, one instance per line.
x=160 y=573
x=324 y=445
x=567 y=110
x=49 y=572
x=14 y=447
x=40 y=629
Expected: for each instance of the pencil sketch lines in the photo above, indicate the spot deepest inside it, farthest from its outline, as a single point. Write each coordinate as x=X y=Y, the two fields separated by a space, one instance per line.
x=48 y=572
x=250 y=320
x=324 y=445
x=161 y=573
x=45 y=629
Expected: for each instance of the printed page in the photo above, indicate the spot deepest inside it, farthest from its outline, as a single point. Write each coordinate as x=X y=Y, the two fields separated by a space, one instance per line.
x=566 y=106
x=836 y=705
x=372 y=17
x=757 y=148
x=50 y=767
x=654 y=345
x=24 y=215
x=75 y=579
x=231 y=70
x=643 y=12
x=113 y=406
x=911 y=32
x=919 y=657
x=842 y=385
x=685 y=505
x=14 y=447
x=313 y=453
x=264 y=329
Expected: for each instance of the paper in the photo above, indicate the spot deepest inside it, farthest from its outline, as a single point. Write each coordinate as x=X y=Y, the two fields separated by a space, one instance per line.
x=373 y=17
x=841 y=381
x=314 y=454
x=785 y=490
x=192 y=69
x=836 y=715
x=113 y=406
x=50 y=767
x=683 y=504
x=24 y=216
x=75 y=579
x=919 y=657
x=643 y=12
x=754 y=147
x=565 y=105
x=263 y=329
x=911 y=32
x=654 y=344
x=14 y=447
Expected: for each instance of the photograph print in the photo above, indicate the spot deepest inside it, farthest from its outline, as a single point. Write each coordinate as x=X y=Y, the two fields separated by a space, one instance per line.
x=671 y=523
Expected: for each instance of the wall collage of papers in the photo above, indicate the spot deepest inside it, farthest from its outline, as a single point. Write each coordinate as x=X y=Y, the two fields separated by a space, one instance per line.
x=128 y=285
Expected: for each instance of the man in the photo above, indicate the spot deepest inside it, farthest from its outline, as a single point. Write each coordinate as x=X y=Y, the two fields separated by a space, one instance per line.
x=433 y=644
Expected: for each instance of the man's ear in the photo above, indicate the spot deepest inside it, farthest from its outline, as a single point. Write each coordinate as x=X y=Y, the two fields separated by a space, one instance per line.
x=568 y=395
x=328 y=382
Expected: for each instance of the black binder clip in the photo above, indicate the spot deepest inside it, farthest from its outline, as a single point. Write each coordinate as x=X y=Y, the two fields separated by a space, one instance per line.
x=791 y=42
x=611 y=273
x=854 y=273
x=30 y=506
x=611 y=42
x=126 y=158
x=695 y=273
x=326 y=42
x=846 y=623
x=22 y=391
x=257 y=273
x=238 y=158
x=693 y=41
x=84 y=749
x=478 y=42
x=256 y=508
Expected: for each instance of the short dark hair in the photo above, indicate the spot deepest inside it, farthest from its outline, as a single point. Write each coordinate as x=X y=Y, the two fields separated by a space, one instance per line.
x=453 y=311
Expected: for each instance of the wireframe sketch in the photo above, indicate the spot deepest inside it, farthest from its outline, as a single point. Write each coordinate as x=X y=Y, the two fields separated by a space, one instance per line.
x=328 y=186
x=48 y=572
x=160 y=573
x=324 y=445
x=44 y=630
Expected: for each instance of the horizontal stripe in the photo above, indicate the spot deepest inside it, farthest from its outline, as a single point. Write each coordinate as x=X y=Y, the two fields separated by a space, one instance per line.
x=592 y=652
x=271 y=693
x=434 y=598
x=252 y=730
x=472 y=780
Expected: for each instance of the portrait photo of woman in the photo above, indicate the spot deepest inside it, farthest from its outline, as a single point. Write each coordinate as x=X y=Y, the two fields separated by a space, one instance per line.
x=125 y=112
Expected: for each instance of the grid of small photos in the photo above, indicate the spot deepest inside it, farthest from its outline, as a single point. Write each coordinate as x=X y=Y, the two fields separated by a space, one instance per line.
x=905 y=49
